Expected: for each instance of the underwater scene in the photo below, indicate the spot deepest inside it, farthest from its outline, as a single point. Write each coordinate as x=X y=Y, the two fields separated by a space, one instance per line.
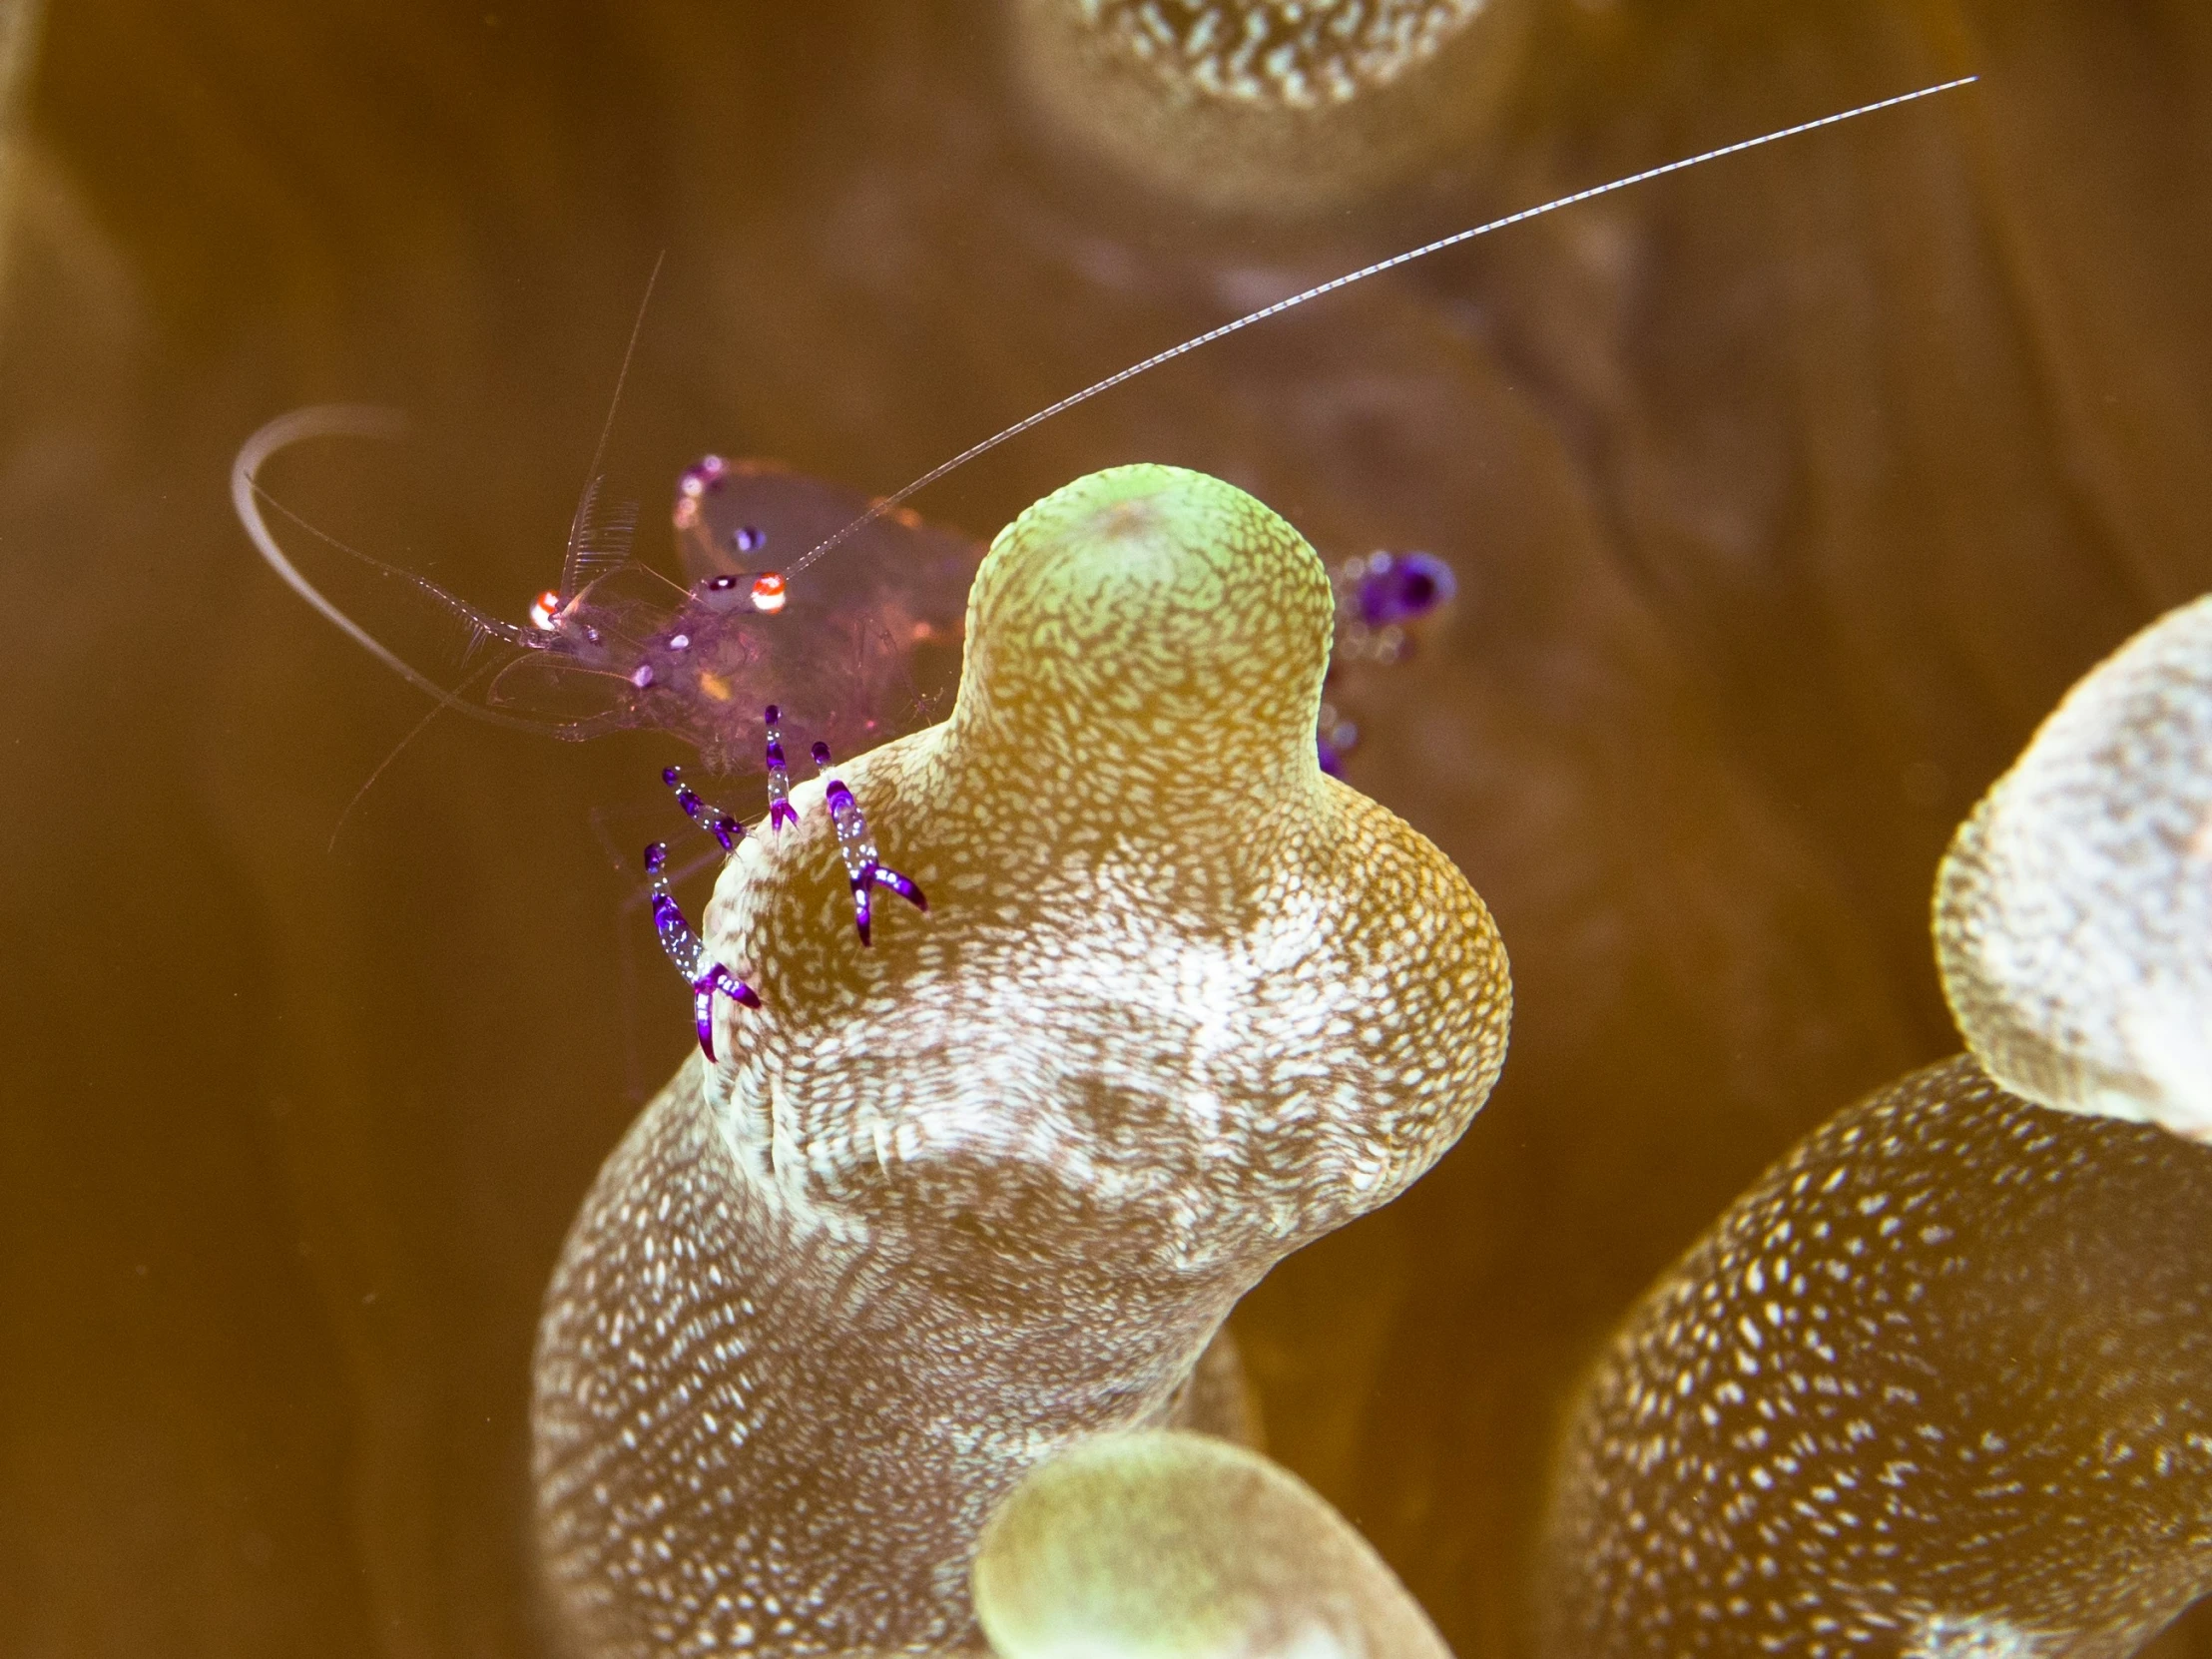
x=985 y=827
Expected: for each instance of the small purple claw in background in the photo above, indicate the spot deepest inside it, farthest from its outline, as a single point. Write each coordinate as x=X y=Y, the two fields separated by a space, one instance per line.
x=1384 y=602
x=1379 y=600
x=779 y=774
x=1400 y=586
x=1328 y=749
x=862 y=862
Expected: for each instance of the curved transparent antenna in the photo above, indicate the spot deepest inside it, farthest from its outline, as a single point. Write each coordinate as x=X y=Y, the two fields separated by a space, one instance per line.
x=248 y=496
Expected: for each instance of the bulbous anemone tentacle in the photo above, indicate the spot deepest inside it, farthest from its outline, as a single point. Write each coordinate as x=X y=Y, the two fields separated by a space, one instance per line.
x=1939 y=1384
x=2073 y=914
x=947 y=1204
x=1273 y=106
x=1160 y=1542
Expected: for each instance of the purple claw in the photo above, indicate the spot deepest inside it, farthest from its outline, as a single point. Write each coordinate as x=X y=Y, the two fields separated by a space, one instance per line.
x=724 y=829
x=685 y=949
x=703 y=1016
x=901 y=885
x=779 y=811
x=716 y=978
x=862 y=912
x=862 y=865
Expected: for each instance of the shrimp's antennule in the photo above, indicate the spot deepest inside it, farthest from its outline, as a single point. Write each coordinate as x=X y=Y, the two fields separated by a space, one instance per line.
x=892 y=501
x=593 y=543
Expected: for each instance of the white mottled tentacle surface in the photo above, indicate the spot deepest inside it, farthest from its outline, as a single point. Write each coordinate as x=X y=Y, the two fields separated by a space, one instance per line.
x=2073 y=914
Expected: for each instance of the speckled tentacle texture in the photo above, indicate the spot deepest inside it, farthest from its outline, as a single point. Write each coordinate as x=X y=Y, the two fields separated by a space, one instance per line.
x=2073 y=914
x=1165 y=1543
x=1939 y=1384
x=1181 y=1004
x=1274 y=106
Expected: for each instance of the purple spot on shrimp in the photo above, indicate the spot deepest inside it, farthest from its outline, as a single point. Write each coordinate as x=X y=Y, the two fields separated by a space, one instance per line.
x=642 y=676
x=656 y=858
x=746 y=539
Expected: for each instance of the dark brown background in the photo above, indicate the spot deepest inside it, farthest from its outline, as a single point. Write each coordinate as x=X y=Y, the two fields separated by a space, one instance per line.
x=1786 y=496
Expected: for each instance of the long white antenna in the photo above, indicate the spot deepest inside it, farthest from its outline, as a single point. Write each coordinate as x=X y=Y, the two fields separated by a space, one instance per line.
x=1345 y=280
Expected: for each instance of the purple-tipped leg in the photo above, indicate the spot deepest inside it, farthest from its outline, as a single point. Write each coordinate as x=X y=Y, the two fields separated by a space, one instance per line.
x=705 y=976
x=717 y=822
x=779 y=811
x=862 y=863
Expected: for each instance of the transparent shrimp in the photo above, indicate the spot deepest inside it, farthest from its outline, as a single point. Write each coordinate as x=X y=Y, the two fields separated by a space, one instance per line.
x=846 y=662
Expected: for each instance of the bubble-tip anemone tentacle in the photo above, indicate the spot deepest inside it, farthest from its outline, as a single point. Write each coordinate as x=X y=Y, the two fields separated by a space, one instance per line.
x=1939 y=1384
x=1163 y=1543
x=2073 y=914
x=1180 y=1005
x=1275 y=106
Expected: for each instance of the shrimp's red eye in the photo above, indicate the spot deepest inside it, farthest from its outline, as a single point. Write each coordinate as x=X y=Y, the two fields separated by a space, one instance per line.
x=768 y=593
x=544 y=609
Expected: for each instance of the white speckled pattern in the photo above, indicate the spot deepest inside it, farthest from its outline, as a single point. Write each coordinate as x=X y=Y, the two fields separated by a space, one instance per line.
x=1300 y=54
x=1162 y=1544
x=1268 y=106
x=1939 y=1384
x=1181 y=1004
x=2073 y=914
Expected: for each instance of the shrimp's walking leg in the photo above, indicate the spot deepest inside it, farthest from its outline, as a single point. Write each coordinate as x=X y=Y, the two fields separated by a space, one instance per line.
x=862 y=862
x=704 y=974
x=713 y=819
x=779 y=811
